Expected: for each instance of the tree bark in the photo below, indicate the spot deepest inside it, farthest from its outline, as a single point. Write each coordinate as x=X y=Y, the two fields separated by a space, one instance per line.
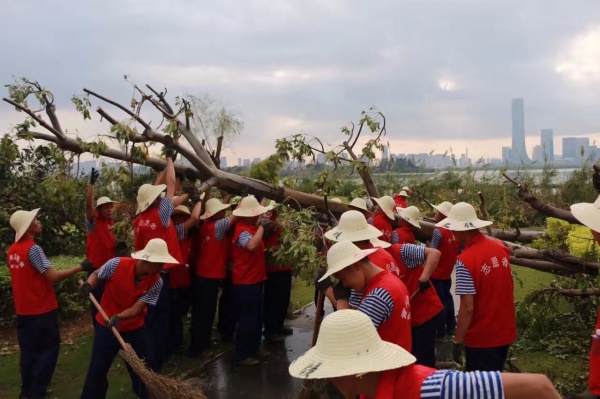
x=365 y=174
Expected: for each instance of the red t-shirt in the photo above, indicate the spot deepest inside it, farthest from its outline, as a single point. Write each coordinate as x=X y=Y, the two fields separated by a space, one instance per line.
x=406 y=235
x=248 y=267
x=384 y=224
x=449 y=247
x=213 y=253
x=404 y=382
x=100 y=243
x=148 y=225
x=400 y=201
x=382 y=259
x=180 y=275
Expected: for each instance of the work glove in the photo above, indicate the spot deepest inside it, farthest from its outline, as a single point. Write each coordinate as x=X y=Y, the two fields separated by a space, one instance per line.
x=193 y=193
x=87 y=266
x=121 y=249
x=113 y=322
x=94 y=176
x=341 y=292
x=424 y=285
x=169 y=150
x=84 y=290
x=244 y=189
x=457 y=350
x=190 y=174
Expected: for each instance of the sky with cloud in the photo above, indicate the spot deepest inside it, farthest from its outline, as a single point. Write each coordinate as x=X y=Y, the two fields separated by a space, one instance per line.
x=443 y=72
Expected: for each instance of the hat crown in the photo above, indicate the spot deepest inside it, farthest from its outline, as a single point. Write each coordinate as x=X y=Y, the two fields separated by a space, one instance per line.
x=403 y=193
x=462 y=212
x=386 y=203
x=411 y=212
x=444 y=207
x=352 y=220
x=359 y=203
x=17 y=219
x=344 y=253
x=213 y=206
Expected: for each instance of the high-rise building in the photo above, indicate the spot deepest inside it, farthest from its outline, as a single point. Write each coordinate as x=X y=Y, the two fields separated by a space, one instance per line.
x=240 y=162
x=246 y=163
x=385 y=153
x=572 y=147
x=518 y=132
x=506 y=151
x=223 y=162
x=547 y=143
x=538 y=154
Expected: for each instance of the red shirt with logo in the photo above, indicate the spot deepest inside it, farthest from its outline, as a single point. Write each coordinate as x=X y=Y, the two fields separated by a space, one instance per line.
x=148 y=225
x=248 y=266
x=382 y=259
x=384 y=224
x=493 y=323
x=33 y=293
x=449 y=247
x=100 y=243
x=406 y=235
x=404 y=382
x=401 y=202
x=213 y=253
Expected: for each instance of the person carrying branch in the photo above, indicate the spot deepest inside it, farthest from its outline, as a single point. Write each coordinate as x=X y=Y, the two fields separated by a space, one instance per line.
x=100 y=240
x=130 y=285
x=32 y=278
x=486 y=315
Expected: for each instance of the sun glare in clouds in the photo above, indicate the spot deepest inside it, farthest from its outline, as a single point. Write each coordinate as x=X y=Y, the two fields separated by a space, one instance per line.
x=446 y=85
x=582 y=61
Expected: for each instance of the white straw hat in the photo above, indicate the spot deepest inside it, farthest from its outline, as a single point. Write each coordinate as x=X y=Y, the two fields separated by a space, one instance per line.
x=336 y=200
x=105 y=200
x=376 y=242
x=359 y=203
x=588 y=214
x=213 y=206
x=182 y=209
x=462 y=217
x=387 y=205
x=156 y=251
x=249 y=207
x=343 y=254
x=411 y=214
x=405 y=188
x=21 y=220
x=147 y=193
x=443 y=208
x=403 y=193
x=349 y=344
x=353 y=227
x=272 y=205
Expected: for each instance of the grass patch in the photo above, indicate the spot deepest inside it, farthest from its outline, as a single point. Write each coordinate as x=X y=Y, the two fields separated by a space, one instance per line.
x=528 y=280
x=302 y=294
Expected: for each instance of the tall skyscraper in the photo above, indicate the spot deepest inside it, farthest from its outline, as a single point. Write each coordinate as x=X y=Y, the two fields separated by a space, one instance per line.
x=385 y=153
x=518 y=131
x=506 y=151
x=538 y=154
x=572 y=147
x=223 y=162
x=547 y=143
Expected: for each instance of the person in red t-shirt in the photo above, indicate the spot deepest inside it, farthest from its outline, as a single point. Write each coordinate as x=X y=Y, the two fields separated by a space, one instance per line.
x=359 y=204
x=100 y=240
x=248 y=277
x=408 y=220
x=131 y=285
x=401 y=199
x=32 y=277
x=383 y=217
x=350 y=354
x=589 y=215
x=486 y=315
x=443 y=240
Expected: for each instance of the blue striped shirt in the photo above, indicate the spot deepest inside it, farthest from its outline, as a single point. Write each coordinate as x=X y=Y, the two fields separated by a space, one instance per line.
x=221 y=227
x=378 y=305
x=180 y=230
x=37 y=259
x=412 y=255
x=244 y=238
x=395 y=238
x=355 y=298
x=436 y=239
x=90 y=225
x=150 y=297
x=370 y=220
x=464 y=280
x=452 y=384
x=165 y=210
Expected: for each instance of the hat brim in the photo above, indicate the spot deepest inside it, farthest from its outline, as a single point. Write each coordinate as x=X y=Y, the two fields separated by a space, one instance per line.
x=156 y=191
x=587 y=214
x=248 y=213
x=210 y=213
x=445 y=213
x=358 y=208
x=165 y=258
x=336 y=234
x=463 y=225
x=314 y=364
x=350 y=260
x=107 y=202
x=388 y=213
x=181 y=212
x=414 y=223
x=380 y=243
x=31 y=215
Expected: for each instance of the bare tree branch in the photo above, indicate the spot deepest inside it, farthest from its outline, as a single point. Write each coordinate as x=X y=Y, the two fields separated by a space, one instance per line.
x=121 y=107
x=161 y=97
x=35 y=117
x=484 y=213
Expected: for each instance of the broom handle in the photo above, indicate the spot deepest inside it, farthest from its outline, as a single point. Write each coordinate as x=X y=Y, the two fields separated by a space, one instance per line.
x=414 y=294
x=106 y=318
x=318 y=317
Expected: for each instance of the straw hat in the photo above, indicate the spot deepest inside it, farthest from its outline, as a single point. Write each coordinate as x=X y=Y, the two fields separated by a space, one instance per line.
x=411 y=214
x=21 y=220
x=147 y=193
x=443 y=208
x=588 y=214
x=105 y=200
x=156 y=251
x=272 y=205
x=359 y=203
x=353 y=227
x=336 y=200
x=405 y=188
x=343 y=254
x=213 y=206
x=182 y=210
x=249 y=207
x=403 y=193
x=387 y=205
x=349 y=344
x=462 y=217
x=376 y=242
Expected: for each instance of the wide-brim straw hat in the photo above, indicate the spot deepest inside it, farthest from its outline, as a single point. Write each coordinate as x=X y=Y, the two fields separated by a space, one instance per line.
x=249 y=207
x=156 y=251
x=387 y=205
x=403 y=193
x=181 y=210
x=147 y=193
x=353 y=226
x=337 y=200
x=343 y=254
x=406 y=188
x=411 y=214
x=380 y=243
x=21 y=220
x=213 y=206
x=349 y=344
x=443 y=208
x=588 y=214
x=462 y=217
x=359 y=203
x=105 y=200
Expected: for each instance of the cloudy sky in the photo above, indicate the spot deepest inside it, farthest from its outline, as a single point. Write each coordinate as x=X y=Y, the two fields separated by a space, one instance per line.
x=443 y=72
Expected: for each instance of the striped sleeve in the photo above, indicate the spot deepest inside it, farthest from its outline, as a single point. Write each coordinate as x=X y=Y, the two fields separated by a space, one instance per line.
x=108 y=269
x=221 y=227
x=464 y=280
x=180 y=230
x=378 y=305
x=355 y=298
x=90 y=225
x=471 y=385
x=395 y=238
x=370 y=220
x=37 y=259
x=432 y=386
x=244 y=238
x=151 y=296
x=165 y=210
x=412 y=255
x=436 y=239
